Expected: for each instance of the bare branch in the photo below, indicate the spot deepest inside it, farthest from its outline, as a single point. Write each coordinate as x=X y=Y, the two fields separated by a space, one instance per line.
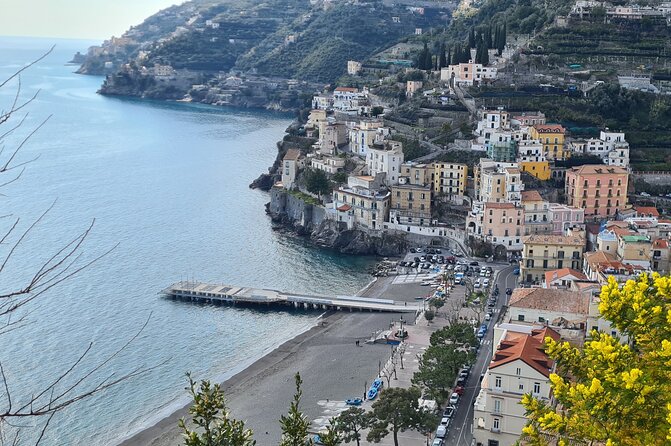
x=3 y=83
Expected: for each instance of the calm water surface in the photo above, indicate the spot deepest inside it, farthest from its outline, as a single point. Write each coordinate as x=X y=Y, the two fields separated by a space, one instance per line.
x=168 y=183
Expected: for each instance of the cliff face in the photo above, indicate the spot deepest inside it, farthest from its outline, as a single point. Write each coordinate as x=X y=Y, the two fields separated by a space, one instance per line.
x=291 y=213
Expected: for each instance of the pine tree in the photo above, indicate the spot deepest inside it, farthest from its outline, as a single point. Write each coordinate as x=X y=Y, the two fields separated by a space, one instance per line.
x=497 y=35
x=449 y=57
x=295 y=425
x=471 y=38
x=442 y=61
x=210 y=415
x=488 y=38
x=502 y=39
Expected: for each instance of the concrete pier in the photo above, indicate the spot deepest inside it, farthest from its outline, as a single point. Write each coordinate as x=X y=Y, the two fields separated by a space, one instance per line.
x=211 y=293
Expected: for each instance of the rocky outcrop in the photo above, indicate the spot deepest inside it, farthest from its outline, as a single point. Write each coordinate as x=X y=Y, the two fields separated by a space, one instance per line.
x=290 y=213
x=335 y=235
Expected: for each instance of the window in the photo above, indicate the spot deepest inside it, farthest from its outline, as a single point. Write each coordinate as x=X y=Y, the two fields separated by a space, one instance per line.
x=537 y=388
x=496 y=424
x=497 y=382
x=520 y=317
x=518 y=371
x=497 y=406
x=521 y=386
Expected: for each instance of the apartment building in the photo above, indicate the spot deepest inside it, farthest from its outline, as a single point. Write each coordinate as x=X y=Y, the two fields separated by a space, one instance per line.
x=364 y=134
x=503 y=225
x=385 y=157
x=291 y=162
x=531 y=158
x=519 y=365
x=356 y=205
x=544 y=253
x=565 y=217
x=611 y=147
x=417 y=174
x=600 y=190
x=498 y=182
x=450 y=179
x=536 y=213
x=554 y=307
x=410 y=204
x=552 y=137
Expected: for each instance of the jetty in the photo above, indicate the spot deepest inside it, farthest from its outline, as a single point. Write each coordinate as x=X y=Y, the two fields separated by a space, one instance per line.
x=227 y=294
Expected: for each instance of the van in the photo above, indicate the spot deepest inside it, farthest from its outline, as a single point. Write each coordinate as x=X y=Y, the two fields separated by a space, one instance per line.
x=441 y=431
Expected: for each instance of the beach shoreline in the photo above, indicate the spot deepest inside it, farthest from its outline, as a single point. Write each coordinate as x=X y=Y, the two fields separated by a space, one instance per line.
x=326 y=355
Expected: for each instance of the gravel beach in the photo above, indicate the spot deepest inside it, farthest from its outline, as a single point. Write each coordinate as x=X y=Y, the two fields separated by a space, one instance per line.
x=331 y=365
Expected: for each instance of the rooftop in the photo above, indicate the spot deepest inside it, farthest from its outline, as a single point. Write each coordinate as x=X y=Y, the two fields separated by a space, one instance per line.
x=494 y=205
x=531 y=195
x=646 y=210
x=549 y=128
x=292 y=155
x=548 y=299
x=527 y=348
x=563 y=272
x=347 y=89
x=597 y=169
x=660 y=243
x=635 y=239
x=544 y=239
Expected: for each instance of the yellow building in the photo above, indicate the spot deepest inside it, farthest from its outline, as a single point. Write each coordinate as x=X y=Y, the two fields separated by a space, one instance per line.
x=552 y=137
x=539 y=169
x=410 y=204
x=543 y=253
x=449 y=178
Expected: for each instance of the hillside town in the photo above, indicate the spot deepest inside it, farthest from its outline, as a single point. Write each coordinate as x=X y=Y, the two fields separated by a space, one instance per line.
x=563 y=244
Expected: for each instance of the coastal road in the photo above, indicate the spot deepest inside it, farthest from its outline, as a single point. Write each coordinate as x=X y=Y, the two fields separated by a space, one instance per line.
x=460 y=432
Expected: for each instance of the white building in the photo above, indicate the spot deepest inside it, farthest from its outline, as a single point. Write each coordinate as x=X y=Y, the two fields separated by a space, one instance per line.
x=611 y=147
x=353 y=67
x=290 y=166
x=385 y=158
x=470 y=73
x=328 y=164
x=364 y=134
x=519 y=365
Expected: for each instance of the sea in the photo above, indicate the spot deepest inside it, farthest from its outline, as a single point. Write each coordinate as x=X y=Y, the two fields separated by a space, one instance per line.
x=165 y=187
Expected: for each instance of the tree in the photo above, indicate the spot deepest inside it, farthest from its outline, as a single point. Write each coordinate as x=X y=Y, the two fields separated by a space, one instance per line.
x=437 y=370
x=295 y=425
x=350 y=423
x=611 y=392
x=317 y=182
x=376 y=111
x=396 y=411
x=442 y=60
x=331 y=437
x=210 y=415
x=471 y=38
x=429 y=315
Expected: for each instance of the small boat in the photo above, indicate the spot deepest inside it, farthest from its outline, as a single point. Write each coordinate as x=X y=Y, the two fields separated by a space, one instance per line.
x=374 y=389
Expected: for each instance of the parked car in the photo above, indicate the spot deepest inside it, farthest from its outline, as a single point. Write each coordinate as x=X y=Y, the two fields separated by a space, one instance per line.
x=488 y=317
x=477 y=283
x=509 y=291
x=422 y=259
x=438 y=251
x=454 y=398
x=485 y=283
x=445 y=421
x=459 y=390
x=437 y=442
x=474 y=263
x=449 y=411
x=441 y=432
x=516 y=271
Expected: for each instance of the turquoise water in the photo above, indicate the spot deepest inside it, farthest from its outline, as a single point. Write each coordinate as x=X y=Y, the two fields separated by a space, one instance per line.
x=168 y=183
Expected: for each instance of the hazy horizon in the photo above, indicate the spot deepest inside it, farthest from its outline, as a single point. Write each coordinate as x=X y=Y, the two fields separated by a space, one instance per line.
x=76 y=19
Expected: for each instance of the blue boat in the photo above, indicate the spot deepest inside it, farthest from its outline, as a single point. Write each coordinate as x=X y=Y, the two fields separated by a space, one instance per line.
x=374 y=389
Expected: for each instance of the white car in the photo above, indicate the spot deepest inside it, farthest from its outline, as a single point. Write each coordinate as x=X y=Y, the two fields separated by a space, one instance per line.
x=454 y=398
x=477 y=284
x=488 y=317
x=485 y=283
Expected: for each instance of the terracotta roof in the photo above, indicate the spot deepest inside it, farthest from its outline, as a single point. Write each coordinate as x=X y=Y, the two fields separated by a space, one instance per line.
x=560 y=301
x=660 y=243
x=647 y=210
x=665 y=221
x=595 y=169
x=494 y=205
x=563 y=272
x=531 y=195
x=344 y=208
x=512 y=170
x=292 y=154
x=544 y=239
x=549 y=128
x=527 y=348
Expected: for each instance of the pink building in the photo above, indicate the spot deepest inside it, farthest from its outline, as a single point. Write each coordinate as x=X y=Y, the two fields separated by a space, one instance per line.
x=503 y=225
x=563 y=217
x=599 y=189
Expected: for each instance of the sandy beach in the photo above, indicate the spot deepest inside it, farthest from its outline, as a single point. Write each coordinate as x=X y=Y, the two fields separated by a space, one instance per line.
x=331 y=365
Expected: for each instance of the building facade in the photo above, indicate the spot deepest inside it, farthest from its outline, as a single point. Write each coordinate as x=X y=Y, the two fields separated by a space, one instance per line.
x=552 y=137
x=387 y=158
x=600 y=190
x=544 y=253
x=410 y=204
